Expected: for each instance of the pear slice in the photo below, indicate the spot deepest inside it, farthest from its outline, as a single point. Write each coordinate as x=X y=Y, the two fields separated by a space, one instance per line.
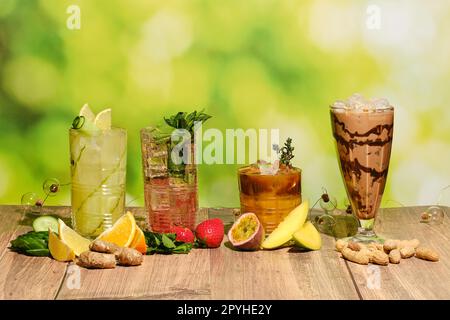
x=308 y=237
x=283 y=233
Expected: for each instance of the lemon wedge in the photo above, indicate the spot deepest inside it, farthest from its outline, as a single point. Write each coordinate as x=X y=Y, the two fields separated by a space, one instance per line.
x=87 y=113
x=72 y=239
x=103 y=120
x=58 y=249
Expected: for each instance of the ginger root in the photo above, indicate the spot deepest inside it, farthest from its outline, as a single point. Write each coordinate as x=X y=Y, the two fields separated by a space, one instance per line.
x=129 y=257
x=96 y=260
x=105 y=255
x=427 y=254
x=103 y=246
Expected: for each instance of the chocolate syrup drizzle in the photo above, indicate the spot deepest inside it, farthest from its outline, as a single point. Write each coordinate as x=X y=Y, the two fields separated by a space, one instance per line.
x=352 y=168
x=350 y=144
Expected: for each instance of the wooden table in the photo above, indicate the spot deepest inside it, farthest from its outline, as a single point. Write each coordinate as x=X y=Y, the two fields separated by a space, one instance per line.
x=226 y=274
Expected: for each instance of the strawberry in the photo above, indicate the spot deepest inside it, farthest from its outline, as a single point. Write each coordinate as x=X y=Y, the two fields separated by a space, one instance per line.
x=210 y=233
x=183 y=234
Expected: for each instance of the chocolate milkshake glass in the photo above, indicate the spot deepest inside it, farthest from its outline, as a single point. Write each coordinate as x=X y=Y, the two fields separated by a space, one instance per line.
x=363 y=132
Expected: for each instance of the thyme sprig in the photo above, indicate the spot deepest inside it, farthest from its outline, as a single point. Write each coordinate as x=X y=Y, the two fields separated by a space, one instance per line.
x=286 y=153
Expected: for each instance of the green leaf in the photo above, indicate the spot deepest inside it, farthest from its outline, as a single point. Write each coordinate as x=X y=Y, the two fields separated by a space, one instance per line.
x=183 y=248
x=31 y=243
x=167 y=242
x=182 y=120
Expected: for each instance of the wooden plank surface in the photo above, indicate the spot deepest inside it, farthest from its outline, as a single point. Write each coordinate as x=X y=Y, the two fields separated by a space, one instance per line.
x=227 y=274
x=412 y=278
x=24 y=277
x=10 y=217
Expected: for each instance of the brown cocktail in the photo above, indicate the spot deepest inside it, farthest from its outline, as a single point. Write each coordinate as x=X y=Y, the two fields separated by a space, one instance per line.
x=270 y=196
x=363 y=132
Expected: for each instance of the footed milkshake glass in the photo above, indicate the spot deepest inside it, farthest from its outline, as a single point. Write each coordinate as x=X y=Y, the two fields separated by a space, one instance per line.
x=363 y=142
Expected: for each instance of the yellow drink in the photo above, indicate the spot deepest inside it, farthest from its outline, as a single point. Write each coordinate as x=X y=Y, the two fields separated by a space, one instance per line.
x=98 y=168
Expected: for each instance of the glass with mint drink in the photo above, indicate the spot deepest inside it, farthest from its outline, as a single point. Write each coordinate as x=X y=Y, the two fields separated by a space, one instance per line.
x=170 y=172
x=98 y=155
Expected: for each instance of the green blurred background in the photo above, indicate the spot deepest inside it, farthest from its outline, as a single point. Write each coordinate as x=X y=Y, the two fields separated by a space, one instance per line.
x=251 y=64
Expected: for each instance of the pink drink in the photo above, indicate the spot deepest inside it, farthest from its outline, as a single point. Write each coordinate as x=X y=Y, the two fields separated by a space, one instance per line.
x=171 y=197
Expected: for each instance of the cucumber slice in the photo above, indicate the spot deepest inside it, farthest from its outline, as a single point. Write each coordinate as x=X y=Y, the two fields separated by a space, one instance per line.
x=44 y=223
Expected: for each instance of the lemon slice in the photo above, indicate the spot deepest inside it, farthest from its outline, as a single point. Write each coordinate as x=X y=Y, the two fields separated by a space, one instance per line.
x=72 y=239
x=58 y=249
x=103 y=120
x=122 y=232
x=87 y=113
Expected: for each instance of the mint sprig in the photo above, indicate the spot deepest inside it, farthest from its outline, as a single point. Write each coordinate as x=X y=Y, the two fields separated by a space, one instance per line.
x=184 y=120
x=165 y=243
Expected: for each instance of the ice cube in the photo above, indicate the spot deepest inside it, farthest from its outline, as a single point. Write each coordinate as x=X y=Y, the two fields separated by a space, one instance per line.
x=340 y=104
x=357 y=102
x=379 y=103
x=268 y=168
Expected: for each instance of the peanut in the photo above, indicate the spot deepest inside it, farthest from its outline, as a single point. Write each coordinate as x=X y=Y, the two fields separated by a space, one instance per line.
x=379 y=257
x=355 y=246
x=355 y=256
x=395 y=256
x=407 y=252
x=375 y=246
x=390 y=244
x=340 y=245
x=427 y=254
x=414 y=243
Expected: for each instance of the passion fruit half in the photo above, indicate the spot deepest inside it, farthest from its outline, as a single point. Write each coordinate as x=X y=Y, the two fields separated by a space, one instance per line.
x=247 y=233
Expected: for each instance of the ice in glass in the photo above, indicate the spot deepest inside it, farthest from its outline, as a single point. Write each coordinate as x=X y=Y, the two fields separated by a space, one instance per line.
x=270 y=196
x=170 y=171
x=170 y=190
x=98 y=155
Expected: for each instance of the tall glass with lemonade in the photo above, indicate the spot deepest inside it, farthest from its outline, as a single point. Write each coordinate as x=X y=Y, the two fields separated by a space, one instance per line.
x=98 y=154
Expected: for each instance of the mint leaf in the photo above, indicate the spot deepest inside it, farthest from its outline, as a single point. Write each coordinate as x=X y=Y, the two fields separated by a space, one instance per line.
x=167 y=242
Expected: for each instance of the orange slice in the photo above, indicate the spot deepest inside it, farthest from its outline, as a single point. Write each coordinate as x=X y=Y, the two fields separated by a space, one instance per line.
x=122 y=232
x=139 y=241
